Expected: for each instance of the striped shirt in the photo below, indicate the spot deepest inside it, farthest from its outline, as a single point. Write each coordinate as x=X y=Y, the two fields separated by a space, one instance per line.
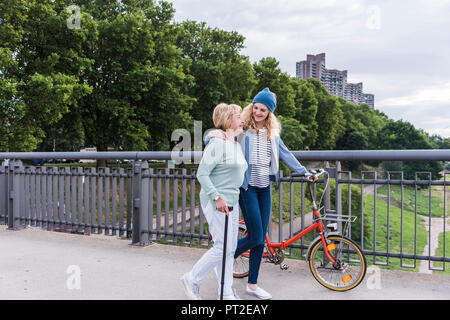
x=260 y=160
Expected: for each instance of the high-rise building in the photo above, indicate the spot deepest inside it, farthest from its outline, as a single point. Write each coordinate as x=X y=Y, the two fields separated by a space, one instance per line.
x=354 y=92
x=369 y=99
x=335 y=81
x=312 y=67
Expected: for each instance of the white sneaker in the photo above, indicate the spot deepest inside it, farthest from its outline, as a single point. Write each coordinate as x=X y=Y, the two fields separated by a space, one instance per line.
x=260 y=293
x=191 y=290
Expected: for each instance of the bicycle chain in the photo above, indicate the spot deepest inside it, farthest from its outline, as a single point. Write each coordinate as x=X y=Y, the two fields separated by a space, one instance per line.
x=278 y=257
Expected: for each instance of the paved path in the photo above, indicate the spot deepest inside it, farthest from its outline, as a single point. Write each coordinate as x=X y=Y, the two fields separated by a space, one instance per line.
x=435 y=234
x=36 y=264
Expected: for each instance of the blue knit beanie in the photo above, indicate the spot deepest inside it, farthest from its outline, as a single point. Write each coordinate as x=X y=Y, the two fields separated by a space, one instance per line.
x=267 y=98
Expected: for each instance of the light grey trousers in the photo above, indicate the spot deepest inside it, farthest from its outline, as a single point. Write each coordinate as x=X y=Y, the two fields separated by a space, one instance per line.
x=213 y=257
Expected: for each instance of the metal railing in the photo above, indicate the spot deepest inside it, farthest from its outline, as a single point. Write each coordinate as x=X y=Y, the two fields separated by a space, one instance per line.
x=71 y=199
x=161 y=204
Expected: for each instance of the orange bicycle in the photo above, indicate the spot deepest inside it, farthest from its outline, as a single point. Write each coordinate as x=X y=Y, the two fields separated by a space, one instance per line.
x=335 y=261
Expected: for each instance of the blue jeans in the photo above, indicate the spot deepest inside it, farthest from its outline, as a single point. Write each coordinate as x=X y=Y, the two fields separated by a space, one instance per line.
x=255 y=204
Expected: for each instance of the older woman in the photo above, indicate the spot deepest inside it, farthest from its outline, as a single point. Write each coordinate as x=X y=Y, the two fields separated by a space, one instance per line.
x=220 y=173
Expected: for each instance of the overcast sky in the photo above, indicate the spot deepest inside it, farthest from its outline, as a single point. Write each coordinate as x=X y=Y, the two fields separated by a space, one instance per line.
x=400 y=50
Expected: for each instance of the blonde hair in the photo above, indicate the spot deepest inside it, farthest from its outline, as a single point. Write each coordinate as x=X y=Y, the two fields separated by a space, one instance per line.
x=223 y=115
x=271 y=122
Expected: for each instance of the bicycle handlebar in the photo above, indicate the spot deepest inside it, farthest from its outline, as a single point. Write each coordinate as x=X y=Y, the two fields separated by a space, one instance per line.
x=315 y=172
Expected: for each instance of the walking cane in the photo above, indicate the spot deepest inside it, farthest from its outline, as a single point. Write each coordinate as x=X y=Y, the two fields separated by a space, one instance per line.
x=224 y=252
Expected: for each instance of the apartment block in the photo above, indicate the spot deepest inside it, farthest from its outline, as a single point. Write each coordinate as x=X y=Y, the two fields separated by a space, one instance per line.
x=354 y=92
x=335 y=81
x=369 y=99
x=312 y=67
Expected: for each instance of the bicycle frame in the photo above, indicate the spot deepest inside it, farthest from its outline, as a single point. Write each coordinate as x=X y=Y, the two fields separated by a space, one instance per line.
x=329 y=255
x=271 y=246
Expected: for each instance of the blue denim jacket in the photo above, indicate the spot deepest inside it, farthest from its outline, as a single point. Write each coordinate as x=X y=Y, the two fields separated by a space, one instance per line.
x=279 y=150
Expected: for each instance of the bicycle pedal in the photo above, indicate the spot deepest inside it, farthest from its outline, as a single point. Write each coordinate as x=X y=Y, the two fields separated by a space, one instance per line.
x=284 y=266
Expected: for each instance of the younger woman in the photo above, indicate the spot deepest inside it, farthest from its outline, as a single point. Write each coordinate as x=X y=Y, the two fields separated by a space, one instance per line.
x=262 y=148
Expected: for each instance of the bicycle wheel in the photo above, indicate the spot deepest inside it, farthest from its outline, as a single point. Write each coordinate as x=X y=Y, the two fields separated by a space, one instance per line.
x=241 y=264
x=349 y=269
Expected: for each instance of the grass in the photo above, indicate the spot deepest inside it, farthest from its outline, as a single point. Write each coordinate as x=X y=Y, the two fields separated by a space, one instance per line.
x=422 y=202
x=413 y=233
x=286 y=202
x=171 y=194
x=380 y=240
x=297 y=201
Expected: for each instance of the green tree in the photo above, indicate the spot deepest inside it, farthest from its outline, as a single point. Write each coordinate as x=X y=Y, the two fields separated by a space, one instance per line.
x=438 y=142
x=40 y=79
x=292 y=133
x=329 y=118
x=268 y=74
x=402 y=135
x=296 y=104
x=116 y=80
x=138 y=76
x=220 y=72
x=352 y=140
x=306 y=106
x=363 y=120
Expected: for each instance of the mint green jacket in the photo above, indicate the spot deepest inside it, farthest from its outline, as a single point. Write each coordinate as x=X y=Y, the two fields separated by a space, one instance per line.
x=221 y=171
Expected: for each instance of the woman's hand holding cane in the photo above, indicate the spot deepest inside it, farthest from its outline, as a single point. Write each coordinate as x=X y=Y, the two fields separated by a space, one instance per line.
x=222 y=206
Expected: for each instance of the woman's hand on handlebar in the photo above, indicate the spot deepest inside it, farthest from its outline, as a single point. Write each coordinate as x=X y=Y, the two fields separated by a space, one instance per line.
x=311 y=177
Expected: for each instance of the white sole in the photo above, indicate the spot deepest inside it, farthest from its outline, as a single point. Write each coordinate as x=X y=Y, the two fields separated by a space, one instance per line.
x=252 y=293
